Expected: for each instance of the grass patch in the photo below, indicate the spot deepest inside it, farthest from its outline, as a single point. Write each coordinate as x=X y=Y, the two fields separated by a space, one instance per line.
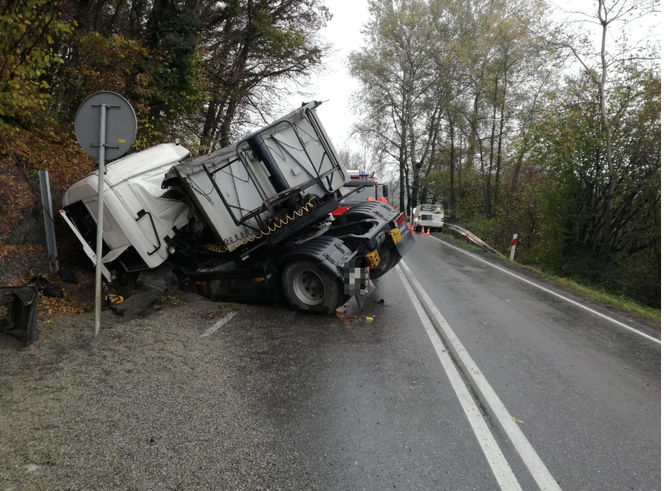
x=595 y=293
x=617 y=302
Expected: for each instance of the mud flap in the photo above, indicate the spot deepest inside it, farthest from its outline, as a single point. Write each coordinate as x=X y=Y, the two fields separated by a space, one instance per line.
x=407 y=241
x=357 y=282
x=362 y=298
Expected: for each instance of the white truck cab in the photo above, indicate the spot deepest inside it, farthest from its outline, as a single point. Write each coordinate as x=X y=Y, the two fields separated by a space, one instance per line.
x=138 y=214
x=428 y=216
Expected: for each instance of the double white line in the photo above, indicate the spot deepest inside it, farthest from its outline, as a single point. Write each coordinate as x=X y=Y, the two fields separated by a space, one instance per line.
x=499 y=465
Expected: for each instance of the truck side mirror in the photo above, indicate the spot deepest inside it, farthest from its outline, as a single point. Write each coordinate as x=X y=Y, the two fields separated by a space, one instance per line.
x=386 y=190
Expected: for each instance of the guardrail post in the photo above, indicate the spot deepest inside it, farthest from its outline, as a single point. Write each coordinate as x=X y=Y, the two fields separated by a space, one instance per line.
x=513 y=248
x=44 y=184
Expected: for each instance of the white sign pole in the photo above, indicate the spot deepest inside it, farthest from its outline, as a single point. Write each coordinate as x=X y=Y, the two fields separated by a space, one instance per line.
x=115 y=135
x=100 y=216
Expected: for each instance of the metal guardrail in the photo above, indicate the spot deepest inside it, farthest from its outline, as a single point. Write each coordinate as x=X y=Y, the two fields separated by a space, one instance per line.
x=472 y=238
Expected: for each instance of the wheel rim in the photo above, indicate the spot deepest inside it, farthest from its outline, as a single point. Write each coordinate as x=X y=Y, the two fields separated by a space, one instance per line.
x=309 y=287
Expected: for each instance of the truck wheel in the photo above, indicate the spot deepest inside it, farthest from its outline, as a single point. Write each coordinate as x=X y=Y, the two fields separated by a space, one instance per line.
x=310 y=288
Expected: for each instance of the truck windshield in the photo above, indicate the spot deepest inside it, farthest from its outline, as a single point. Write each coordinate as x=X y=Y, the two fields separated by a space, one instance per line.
x=361 y=194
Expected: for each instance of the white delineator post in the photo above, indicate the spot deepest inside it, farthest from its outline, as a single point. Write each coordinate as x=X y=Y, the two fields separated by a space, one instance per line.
x=513 y=248
x=100 y=216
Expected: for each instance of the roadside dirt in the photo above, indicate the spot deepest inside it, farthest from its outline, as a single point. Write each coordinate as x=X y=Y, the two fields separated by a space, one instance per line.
x=152 y=404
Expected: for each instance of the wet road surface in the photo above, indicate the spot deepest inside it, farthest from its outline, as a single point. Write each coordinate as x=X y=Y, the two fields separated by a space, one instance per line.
x=462 y=378
x=370 y=406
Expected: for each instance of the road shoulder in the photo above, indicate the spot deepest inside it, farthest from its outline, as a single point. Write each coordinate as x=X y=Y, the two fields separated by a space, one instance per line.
x=648 y=327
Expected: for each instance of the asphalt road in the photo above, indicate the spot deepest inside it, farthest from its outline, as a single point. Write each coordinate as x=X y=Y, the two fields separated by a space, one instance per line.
x=455 y=376
x=587 y=390
x=375 y=408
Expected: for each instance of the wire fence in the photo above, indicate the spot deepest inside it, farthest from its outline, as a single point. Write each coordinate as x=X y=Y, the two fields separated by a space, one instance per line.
x=21 y=208
x=23 y=247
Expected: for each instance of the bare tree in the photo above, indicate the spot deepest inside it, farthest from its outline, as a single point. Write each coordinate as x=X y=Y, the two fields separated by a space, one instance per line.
x=399 y=113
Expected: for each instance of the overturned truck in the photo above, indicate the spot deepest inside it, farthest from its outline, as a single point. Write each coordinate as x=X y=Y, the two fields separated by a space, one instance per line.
x=250 y=221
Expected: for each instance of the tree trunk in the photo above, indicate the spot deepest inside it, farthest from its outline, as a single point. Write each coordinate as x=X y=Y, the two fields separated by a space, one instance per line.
x=413 y=159
x=409 y=194
x=208 y=125
x=460 y=166
x=472 y=121
x=452 y=157
x=403 y=153
x=402 y=179
x=500 y=140
x=488 y=209
x=611 y=186
x=235 y=90
x=224 y=134
x=517 y=170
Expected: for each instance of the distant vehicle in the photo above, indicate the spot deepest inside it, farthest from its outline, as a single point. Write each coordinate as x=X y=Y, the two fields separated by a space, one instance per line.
x=362 y=186
x=428 y=216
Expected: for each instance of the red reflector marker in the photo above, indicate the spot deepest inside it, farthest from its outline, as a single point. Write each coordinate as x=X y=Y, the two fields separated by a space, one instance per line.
x=400 y=219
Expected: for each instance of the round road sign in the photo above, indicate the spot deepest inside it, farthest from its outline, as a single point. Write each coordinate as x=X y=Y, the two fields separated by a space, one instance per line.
x=120 y=124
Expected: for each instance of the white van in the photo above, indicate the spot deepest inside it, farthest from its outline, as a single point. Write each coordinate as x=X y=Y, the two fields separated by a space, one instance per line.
x=428 y=216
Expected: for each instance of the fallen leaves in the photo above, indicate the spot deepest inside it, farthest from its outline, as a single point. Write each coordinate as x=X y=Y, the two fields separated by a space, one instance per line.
x=51 y=309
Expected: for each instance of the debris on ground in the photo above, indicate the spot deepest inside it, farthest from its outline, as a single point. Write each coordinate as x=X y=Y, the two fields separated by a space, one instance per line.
x=73 y=298
x=46 y=288
x=68 y=276
x=113 y=301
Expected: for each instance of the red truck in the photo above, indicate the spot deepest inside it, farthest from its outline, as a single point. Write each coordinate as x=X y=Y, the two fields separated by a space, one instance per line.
x=361 y=187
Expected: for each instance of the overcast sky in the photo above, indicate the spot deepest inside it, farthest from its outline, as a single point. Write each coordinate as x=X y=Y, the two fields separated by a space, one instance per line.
x=335 y=85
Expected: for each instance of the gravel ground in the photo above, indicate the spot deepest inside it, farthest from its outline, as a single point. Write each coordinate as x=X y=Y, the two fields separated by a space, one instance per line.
x=149 y=404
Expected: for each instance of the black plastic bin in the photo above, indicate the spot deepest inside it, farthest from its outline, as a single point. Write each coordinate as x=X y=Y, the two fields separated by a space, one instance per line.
x=18 y=312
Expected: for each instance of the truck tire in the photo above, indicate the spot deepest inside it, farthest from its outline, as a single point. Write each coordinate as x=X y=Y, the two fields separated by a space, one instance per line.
x=310 y=288
x=389 y=256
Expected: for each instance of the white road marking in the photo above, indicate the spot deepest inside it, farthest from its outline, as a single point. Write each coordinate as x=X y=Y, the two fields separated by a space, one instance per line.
x=499 y=465
x=539 y=471
x=214 y=328
x=625 y=326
